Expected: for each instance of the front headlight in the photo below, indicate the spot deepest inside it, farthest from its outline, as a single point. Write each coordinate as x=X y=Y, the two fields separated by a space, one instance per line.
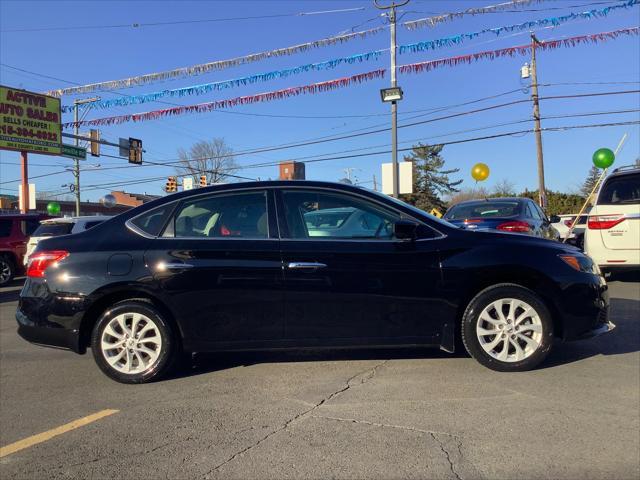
x=581 y=263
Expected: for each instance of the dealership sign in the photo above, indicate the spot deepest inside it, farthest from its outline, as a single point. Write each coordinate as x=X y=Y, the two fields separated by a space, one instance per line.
x=29 y=122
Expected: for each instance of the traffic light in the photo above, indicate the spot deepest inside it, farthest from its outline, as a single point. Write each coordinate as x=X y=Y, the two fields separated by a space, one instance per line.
x=135 y=151
x=94 y=139
x=203 y=180
x=172 y=185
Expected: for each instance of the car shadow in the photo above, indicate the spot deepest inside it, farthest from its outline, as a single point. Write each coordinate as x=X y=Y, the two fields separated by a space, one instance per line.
x=11 y=291
x=625 y=313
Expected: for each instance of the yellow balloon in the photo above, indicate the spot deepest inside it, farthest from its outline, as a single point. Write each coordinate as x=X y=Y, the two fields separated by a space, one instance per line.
x=480 y=172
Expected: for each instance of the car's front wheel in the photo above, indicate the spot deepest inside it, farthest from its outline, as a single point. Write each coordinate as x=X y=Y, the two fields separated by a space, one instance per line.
x=132 y=342
x=507 y=328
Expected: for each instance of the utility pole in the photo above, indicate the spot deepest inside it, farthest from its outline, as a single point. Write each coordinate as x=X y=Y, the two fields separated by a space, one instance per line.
x=76 y=132
x=375 y=184
x=395 y=177
x=542 y=193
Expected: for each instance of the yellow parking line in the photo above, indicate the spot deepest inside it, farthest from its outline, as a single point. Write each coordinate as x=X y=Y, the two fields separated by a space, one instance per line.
x=49 y=434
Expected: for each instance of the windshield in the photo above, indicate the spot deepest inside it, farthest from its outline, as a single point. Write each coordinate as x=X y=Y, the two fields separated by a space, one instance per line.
x=483 y=210
x=53 y=229
x=624 y=189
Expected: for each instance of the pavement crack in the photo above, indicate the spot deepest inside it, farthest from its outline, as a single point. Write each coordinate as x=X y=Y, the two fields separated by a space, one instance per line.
x=356 y=380
x=433 y=434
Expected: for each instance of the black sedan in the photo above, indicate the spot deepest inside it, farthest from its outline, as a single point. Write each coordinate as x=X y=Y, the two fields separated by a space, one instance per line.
x=515 y=215
x=272 y=265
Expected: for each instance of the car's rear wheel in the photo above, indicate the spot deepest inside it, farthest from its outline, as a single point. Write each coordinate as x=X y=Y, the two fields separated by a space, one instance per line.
x=133 y=343
x=507 y=328
x=7 y=270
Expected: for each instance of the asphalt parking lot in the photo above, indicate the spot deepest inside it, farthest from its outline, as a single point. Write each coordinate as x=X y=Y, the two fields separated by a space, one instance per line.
x=364 y=414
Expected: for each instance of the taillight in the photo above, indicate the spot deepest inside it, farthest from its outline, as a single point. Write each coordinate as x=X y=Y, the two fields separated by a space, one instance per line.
x=515 y=226
x=604 y=222
x=40 y=261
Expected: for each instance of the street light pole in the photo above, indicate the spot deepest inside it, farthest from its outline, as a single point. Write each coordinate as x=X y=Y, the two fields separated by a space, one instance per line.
x=395 y=177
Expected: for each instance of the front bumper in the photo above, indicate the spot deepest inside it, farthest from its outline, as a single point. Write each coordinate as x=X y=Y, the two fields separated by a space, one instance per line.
x=597 y=331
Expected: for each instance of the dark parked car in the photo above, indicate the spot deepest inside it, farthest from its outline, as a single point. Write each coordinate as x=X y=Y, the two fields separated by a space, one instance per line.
x=245 y=266
x=516 y=215
x=15 y=230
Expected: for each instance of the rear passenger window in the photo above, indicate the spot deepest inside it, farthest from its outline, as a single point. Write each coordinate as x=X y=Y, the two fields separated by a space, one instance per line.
x=241 y=215
x=151 y=222
x=5 y=228
x=29 y=226
x=621 y=190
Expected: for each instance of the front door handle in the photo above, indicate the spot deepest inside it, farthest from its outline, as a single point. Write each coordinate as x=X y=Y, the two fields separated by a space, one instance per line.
x=305 y=265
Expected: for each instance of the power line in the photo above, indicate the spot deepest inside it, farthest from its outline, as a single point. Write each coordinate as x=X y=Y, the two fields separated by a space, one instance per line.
x=179 y=22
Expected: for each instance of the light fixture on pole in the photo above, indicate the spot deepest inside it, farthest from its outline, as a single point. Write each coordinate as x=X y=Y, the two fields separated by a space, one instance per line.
x=394 y=93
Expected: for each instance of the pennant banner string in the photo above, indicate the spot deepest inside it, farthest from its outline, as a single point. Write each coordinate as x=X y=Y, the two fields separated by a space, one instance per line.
x=516 y=50
x=356 y=79
x=223 y=85
x=330 y=64
x=200 y=69
x=445 y=17
x=246 y=100
x=553 y=21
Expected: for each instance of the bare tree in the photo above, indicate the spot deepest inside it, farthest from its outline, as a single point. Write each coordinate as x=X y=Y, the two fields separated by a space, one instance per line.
x=214 y=159
x=469 y=193
x=504 y=188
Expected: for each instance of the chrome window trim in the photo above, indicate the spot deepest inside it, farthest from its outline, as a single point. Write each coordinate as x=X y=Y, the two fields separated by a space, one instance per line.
x=273 y=188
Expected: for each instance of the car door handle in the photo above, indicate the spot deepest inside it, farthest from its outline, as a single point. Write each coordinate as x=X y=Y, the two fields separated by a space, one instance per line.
x=305 y=265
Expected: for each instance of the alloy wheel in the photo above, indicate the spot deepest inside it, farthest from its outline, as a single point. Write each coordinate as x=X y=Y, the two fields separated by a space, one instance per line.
x=131 y=343
x=5 y=271
x=510 y=330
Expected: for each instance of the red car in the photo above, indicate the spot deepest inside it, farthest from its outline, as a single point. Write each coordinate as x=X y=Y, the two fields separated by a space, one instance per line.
x=15 y=230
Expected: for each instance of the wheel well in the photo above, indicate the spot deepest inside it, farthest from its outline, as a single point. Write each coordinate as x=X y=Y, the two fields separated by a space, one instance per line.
x=99 y=306
x=10 y=256
x=539 y=284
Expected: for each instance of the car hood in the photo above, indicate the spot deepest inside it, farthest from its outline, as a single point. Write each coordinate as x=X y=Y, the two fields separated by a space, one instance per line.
x=495 y=237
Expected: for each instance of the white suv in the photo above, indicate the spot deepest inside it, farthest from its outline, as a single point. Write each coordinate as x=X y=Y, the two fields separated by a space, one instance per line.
x=612 y=238
x=54 y=227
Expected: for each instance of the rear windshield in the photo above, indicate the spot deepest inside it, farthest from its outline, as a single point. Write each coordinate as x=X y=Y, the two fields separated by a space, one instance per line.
x=53 y=229
x=621 y=190
x=483 y=210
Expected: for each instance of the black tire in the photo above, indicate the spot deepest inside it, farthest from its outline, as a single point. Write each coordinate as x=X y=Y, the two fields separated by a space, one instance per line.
x=168 y=350
x=7 y=270
x=484 y=299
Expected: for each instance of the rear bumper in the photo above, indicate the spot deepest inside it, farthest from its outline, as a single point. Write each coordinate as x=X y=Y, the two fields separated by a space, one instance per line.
x=49 y=319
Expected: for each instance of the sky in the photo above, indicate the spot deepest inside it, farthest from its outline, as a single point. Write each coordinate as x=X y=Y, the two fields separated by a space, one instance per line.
x=49 y=39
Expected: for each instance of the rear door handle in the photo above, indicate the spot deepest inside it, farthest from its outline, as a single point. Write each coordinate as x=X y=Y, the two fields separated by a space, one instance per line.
x=175 y=266
x=305 y=265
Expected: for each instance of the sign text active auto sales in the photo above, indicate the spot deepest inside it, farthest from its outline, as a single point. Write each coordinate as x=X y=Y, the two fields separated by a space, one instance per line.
x=29 y=122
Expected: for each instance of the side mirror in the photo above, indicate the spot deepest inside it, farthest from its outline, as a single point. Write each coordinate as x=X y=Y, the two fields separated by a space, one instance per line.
x=405 y=230
x=554 y=219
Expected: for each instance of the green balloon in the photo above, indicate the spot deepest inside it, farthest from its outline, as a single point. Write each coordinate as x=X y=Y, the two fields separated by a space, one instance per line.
x=603 y=158
x=53 y=208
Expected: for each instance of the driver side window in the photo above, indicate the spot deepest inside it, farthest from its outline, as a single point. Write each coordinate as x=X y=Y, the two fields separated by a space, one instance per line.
x=322 y=215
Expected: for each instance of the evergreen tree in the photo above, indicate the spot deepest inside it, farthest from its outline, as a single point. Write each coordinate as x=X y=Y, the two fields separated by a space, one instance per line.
x=430 y=180
x=590 y=181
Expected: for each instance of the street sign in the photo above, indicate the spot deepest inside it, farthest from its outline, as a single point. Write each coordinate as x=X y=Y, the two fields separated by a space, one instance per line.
x=29 y=122
x=187 y=183
x=124 y=147
x=71 y=151
x=406 y=177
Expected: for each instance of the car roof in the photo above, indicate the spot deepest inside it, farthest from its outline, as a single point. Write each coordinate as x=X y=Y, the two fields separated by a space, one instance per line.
x=624 y=170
